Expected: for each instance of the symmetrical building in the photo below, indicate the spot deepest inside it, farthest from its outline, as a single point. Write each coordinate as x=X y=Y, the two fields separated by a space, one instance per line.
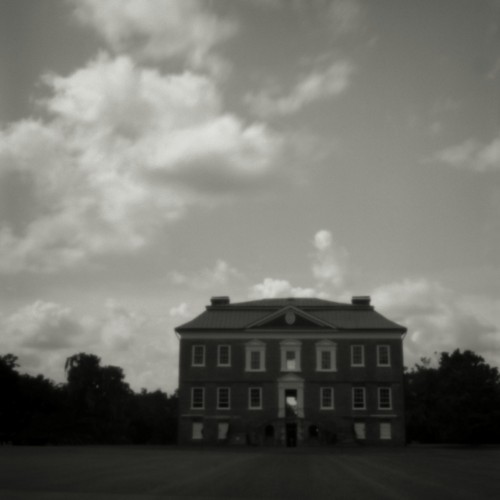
x=296 y=371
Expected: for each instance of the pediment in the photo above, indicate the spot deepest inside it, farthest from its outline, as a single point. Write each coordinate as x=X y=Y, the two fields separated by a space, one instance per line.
x=290 y=318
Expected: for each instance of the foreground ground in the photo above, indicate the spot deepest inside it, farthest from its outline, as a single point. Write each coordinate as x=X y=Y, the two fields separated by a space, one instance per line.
x=84 y=473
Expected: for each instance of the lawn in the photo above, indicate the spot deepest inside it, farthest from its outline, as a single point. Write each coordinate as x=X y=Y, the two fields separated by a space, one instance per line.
x=84 y=473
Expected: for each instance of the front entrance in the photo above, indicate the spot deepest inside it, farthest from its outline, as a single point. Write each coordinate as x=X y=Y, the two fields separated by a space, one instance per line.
x=291 y=435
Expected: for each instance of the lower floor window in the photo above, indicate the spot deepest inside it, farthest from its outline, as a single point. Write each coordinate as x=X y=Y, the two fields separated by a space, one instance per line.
x=197 y=430
x=385 y=430
x=326 y=396
x=358 y=398
x=384 y=398
x=255 y=398
x=360 y=430
x=197 y=398
x=222 y=430
x=223 y=398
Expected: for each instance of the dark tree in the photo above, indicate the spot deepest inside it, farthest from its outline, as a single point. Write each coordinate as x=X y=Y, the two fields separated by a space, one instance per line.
x=32 y=407
x=457 y=402
x=96 y=405
x=154 y=418
x=99 y=398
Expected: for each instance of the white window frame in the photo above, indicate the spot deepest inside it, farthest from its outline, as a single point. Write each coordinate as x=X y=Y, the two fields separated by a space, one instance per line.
x=194 y=356
x=385 y=431
x=363 y=392
x=380 y=348
x=219 y=398
x=219 y=349
x=388 y=404
x=290 y=346
x=322 y=392
x=361 y=347
x=193 y=390
x=259 y=392
x=326 y=346
x=255 y=346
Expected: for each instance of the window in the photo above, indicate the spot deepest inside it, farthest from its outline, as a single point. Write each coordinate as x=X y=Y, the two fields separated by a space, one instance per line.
x=223 y=398
x=224 y=355
x=357 y=355
x=197 y=430
x=255 y=398
x=383 y=355
x=385 y=430
x=326 y=360
x=291 y=361
x=290 y=355
x=326 y=356
x=360 y=430
x=384 y=398
x=197 y=398
x=198 y=355
x=358 y=398
x=326 y=397
x=222 y=430
x=255 y=352
x=255 y=360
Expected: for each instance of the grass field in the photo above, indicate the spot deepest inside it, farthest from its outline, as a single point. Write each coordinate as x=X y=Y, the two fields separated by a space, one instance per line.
x=132 y=473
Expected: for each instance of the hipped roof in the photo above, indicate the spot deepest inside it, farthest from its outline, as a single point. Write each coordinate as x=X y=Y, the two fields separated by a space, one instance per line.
x=242 y=315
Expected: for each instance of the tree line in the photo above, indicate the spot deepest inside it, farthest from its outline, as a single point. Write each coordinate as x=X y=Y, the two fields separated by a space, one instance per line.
x=457 y=401
x=94 y=406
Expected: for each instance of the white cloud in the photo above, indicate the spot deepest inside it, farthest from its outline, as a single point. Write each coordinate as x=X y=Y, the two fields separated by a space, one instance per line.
x=180 y=311
x=209 y=278
x=43 y=325
x=330 y=265
x=312 y=87
x=158 y=30
x=126 y=151
x=472 y=155
x=270 y=288
x=44 y=334
x=438 y=319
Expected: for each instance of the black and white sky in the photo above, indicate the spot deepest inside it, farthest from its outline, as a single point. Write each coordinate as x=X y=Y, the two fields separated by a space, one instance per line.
x=154 y=153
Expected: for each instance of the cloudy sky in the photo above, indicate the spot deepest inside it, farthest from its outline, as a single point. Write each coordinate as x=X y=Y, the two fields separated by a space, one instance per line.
x=155 y=153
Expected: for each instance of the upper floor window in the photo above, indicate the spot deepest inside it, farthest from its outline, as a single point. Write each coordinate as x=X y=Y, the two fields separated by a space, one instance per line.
x=358 y=398
x=197 y=398
x=290 y=356
x=326 y=398
x=326 y=356
x=384 y=398
x=383 y=355
x=224 y=355
x=255 y=356
x=198 y=355
x=357 y=355
x=255 y=398
x=223 y=398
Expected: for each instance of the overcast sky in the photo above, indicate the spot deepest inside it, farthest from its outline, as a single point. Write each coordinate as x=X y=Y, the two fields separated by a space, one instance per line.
x=156 y=153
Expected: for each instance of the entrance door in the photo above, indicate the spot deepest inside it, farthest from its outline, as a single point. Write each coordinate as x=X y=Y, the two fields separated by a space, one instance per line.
x=291 y=403
x=291 y=435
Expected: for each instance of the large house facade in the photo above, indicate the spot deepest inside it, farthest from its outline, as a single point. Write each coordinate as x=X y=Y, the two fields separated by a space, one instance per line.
x=291 y=372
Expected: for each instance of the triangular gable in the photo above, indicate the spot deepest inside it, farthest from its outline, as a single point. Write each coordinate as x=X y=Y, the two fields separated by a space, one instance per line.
x=291 y=318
